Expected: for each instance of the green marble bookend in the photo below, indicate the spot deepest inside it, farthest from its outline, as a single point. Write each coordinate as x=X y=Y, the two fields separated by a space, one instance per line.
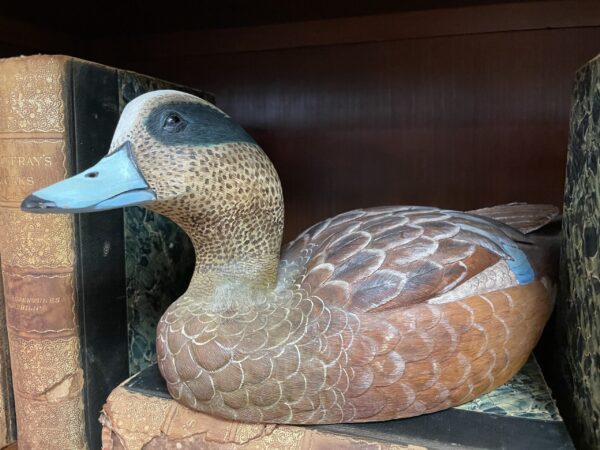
x=159 y=261
x=576 y=357
x=525 y=395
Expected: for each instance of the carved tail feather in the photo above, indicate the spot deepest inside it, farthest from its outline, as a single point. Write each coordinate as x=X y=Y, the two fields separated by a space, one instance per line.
x=541 y=223
x=524 y=217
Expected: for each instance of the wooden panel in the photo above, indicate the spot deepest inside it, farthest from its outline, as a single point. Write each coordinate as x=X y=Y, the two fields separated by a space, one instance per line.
x=458 y=122
x=127 y=18
x=26 y=38
x=352 y=30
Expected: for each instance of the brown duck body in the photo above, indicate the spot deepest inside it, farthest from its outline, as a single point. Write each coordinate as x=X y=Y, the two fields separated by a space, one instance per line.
x=377 y=314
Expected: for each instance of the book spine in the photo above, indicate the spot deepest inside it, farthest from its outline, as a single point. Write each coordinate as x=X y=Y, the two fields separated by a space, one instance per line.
x=8 y=420
x=166 y=424
x=38 y=255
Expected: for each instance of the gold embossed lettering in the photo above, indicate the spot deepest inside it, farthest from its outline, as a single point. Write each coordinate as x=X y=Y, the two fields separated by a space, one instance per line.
x=26 y=161
x=32 y=303
x=17 y=181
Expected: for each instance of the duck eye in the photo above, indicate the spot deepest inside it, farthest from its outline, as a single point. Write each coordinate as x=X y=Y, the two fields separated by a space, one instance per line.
x=173 y=123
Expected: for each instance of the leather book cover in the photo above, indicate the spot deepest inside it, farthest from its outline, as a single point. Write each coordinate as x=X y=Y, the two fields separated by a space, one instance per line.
x=64 y=275
x=8 y=421
x=521 y=414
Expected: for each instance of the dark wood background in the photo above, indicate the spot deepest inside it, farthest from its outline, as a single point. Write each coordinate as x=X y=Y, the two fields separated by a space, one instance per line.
x=454 y=104
x=458 y=107
x=453 y=108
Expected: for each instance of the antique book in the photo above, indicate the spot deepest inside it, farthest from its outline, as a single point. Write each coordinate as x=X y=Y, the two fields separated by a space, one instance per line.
x=8 y=421
x=140 y=414
x=64 y=276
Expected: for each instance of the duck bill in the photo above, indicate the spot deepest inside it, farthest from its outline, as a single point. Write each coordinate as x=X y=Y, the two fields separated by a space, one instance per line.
x=114 y=182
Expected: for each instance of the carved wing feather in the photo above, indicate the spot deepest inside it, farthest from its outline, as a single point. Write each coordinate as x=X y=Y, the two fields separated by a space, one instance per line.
x=385 y=258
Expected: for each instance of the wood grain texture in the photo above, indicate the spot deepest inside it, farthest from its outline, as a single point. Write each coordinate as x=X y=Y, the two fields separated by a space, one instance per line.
x=30 y=38
x=459 y=122
x=445 y=20
x=97 y=20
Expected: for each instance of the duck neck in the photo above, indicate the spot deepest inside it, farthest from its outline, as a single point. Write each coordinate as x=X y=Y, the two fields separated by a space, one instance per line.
x=236 y=253
x=235 y=221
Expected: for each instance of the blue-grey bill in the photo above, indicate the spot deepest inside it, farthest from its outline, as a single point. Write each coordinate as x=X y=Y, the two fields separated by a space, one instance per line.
x=114 y=182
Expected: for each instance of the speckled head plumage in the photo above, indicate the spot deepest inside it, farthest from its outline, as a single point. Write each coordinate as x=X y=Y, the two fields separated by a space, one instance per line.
x=209 y=176
x=185 y=158
x=187 y=147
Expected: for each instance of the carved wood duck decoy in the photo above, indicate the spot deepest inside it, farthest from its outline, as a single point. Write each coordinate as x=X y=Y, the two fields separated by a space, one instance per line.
x=373 y=314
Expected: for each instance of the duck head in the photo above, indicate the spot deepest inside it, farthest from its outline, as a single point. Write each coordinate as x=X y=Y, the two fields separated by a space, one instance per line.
x=180 y=156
